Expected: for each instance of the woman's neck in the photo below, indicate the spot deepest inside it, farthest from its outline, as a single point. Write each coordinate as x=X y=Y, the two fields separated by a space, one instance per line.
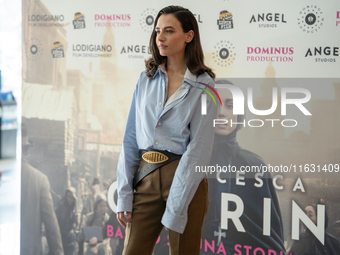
x=175 y=65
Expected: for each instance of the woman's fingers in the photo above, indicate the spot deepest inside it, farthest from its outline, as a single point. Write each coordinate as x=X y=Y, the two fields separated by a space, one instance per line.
x=122 y=220
x=129 y=215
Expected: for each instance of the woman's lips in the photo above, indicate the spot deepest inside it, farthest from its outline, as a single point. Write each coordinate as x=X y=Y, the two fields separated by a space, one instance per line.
x=222 y=126
x=162 y=46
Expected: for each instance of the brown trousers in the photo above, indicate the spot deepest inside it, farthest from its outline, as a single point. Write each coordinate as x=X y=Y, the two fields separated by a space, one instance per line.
x=149 y=204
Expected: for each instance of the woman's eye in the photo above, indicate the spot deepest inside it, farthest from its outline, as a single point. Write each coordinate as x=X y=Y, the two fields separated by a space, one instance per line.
x=230 y=106
x=168 y=31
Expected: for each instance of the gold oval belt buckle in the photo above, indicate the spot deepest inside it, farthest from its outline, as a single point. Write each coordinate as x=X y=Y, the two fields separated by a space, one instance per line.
x=154 y=157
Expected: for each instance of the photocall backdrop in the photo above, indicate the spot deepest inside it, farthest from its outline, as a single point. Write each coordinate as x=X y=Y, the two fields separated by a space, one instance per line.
x=81 y=62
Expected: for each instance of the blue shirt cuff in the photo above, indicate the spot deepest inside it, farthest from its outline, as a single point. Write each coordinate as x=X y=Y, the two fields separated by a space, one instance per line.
x=174 y=223
x=124 y=205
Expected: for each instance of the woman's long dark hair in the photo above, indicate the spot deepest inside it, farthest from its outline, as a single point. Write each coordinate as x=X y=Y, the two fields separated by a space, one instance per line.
x=316 y=213
x=99 y=198
x=193 y=52
x=71 y=207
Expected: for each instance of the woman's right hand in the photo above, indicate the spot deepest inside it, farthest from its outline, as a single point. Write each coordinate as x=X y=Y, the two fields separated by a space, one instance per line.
x=93 y=241
x=121 y=219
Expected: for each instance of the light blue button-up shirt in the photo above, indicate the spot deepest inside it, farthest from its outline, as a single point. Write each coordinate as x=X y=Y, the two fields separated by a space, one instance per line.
x=178 y=127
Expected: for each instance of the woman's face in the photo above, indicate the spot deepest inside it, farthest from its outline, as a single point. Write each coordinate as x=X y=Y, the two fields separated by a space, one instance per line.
x=101 y=208
x=225 y=112
x=69 y=198
x=309 y=210
x=170 y=38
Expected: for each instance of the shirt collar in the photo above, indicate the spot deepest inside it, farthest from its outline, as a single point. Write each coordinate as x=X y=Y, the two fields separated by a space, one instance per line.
x=188 y=76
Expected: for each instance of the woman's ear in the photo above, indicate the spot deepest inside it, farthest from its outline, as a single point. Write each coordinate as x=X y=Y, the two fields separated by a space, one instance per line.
x=190 y=36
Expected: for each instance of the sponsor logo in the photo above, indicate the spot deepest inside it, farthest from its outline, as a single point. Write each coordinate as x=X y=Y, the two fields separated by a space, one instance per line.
x=198 y=18
x=91 y=50
x=270 y=54
x=58 y=50
x=79 y=21
x=204 y=97
x=147 y=19
x=224 y=54
x=337 y=18
x=239 y=106
x=310 y=19
x=34 y=49
x=225 y=20
x=112 y=20
x=323 y=54
x=268 y=20
x=135 y=51
x=45 y=20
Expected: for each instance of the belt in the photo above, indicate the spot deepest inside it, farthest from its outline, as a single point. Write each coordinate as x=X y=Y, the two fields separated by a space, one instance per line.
x=155 y=159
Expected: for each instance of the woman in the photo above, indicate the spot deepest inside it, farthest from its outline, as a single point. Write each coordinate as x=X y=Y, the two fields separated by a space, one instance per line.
x=165 y=116
x=98 y=218
x=309 y=244
x=250 y=190
x=66 y=214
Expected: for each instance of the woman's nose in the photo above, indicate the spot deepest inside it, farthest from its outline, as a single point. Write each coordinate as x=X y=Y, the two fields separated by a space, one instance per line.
x=160 y=36
x=221 y=112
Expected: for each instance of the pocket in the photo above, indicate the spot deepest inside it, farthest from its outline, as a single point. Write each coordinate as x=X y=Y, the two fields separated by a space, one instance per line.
x=177 y=139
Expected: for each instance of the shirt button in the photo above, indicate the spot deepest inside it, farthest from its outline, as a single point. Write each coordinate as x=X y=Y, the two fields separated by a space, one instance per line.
x=156 y=142
x=160 y=103
x=163 y=84
x=159 y=123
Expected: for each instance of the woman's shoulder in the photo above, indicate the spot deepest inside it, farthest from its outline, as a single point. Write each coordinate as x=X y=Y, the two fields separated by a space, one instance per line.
x=144 y=79
x=333 y=240
x=251 y=158
x=141 y=81
x=142 y=75
x=89 y=218
x=206 y=78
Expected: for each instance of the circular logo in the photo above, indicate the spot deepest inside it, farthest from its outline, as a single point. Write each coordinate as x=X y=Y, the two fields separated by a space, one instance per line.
x=34 y=49
x=311 y=19
x=147 y=19
x=224 y=54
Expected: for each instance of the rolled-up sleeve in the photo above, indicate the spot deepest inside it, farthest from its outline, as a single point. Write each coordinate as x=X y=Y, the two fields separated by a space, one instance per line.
x=186 y=179
x=128 y=162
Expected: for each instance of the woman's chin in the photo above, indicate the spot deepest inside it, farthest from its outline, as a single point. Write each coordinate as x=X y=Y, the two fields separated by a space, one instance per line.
x=222 y=130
